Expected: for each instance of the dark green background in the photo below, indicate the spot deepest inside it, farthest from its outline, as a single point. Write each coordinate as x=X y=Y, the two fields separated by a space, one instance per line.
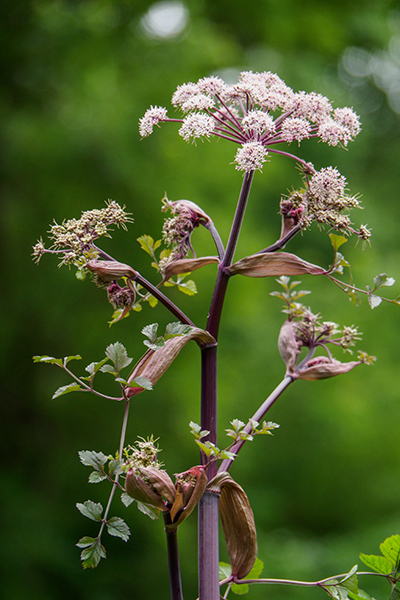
x=76 y=77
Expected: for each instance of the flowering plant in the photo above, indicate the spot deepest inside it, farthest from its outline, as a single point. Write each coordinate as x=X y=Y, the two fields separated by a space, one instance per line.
x=259 y=113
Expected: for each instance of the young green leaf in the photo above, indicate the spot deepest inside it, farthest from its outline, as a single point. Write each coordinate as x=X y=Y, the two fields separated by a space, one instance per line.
x=383 y=280
x=225 y=570
x=174 y=329
x=148 y=510
x=142 y=382
x=67 y=359
x=48 y=359
x=147 y=244
x=66 y=389
x=255 y=573
x=150 y=331
x=380 y=564
x=92 y=553
x=152 y=300
x=126 y=499
x=96 y=477
x=337 y=240
x=188 y=287
x=95 y=366
x=390 y=549
x=374 y=300
x=117 y=527
x=91 y=510
x=114 y=467
x=93 y=459
x=118 y=355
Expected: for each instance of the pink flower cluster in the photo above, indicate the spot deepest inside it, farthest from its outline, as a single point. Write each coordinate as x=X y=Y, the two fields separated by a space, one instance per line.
x=257 y=112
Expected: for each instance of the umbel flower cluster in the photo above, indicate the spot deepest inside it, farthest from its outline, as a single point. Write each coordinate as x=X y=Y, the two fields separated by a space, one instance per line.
x=258 y=112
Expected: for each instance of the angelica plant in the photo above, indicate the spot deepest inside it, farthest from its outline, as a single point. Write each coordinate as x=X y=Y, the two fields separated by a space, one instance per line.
x=262 y=115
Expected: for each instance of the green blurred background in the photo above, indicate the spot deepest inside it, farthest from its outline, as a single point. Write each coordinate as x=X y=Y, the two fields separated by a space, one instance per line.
x=76 y=77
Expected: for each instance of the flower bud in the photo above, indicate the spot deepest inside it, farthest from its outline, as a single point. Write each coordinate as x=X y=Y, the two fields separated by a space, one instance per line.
x=323 y=368
x=237 y=523
x=150 y=486
x=109 y=270
x=288 y=347
x=190 y=487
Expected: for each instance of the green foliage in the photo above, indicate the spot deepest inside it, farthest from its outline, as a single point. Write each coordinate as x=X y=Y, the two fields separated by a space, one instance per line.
x=92 y=553
x=119 y=357
x=225 y=572
x=118 y=528
x=388 y=563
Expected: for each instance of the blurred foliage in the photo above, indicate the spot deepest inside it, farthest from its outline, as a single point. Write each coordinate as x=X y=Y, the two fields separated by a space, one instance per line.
x=76 y=76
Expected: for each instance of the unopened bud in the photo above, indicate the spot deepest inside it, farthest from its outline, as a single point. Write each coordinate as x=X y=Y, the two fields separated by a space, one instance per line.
x=151 y=486
x=109 y=270
x=190 y=487
x=324 y=368
x=237 y=523
x=288 y=347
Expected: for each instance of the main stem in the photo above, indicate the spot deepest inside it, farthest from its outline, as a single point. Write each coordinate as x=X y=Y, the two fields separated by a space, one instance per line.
x=208 y=506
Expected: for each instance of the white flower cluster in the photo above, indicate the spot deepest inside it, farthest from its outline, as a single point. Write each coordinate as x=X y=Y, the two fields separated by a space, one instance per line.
x=257 y=112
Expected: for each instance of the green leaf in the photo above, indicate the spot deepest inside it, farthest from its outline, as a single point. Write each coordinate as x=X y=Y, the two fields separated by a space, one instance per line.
x=337 y=240
x=225 y=570
x=66 y=389
x=159 y=343
x=150 y=331
x=118 y=355
x=90 y=458
x=390 y=549
x=85 y=542
x=225 y=454
x=48 y=359
x=360 y=595
x=383 y=280
x=255 y=573
x=142 y=382
x=67 y=359
x=126 y=499
x=118 y=528
x=117 y=314
x=240 y=590
x=114 y=467
x=92 y=554
x=350 y=581
x=148 y=510
x=91 y=510
x=96 y=477
x=188 y=287
x=395 y=595
x=174 y=329
x=380 y=564
x=152 y=300
x=95 y=366
x=147 y=244
x=374 y=300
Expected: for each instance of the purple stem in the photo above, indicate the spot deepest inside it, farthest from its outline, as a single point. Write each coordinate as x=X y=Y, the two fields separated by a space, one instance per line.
x=173 y=561
x=258 y=415
x=208 y=507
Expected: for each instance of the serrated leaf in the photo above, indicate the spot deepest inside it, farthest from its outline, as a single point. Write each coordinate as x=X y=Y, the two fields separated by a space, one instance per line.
x=118 y=528
x=360 y=595
x=255 y=573
x=118 y=355
x=126 y=499
x=383 y=280
x=66 y=389
x=92 y=555
x=374 y=300
x=337 y=591
x=147 y=244
x=380 y=564
x=150 y=331
x=85 y=541
x=96 y=477
x=95 y=366
x=108 y=369
x=114 y=467
x=337 y=240
x=225 y=570
x=91 y=510
x=148 y=510
x=350 y=581
x=90 y=458
x=158 y=343
x=174 y=329
x=226 y=455
x=48 y=359
x=195 y=427
x=152 y=300
x=205 y=448
x=188 y=287
x=142 y=382
x=67 y=359
x=390 y=549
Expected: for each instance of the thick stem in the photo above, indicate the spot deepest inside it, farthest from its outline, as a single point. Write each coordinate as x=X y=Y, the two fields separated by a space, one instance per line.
x=208 y=506
x=173 y=561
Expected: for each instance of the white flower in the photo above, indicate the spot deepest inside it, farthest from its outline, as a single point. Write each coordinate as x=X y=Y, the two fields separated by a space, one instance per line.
x=294 y=128
x=258 y=121
x=152 y=117
x=328 y=184
x=332 y=132
x=184 y=92
x=250 y=156
x=196 y=125
x=348 y=119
